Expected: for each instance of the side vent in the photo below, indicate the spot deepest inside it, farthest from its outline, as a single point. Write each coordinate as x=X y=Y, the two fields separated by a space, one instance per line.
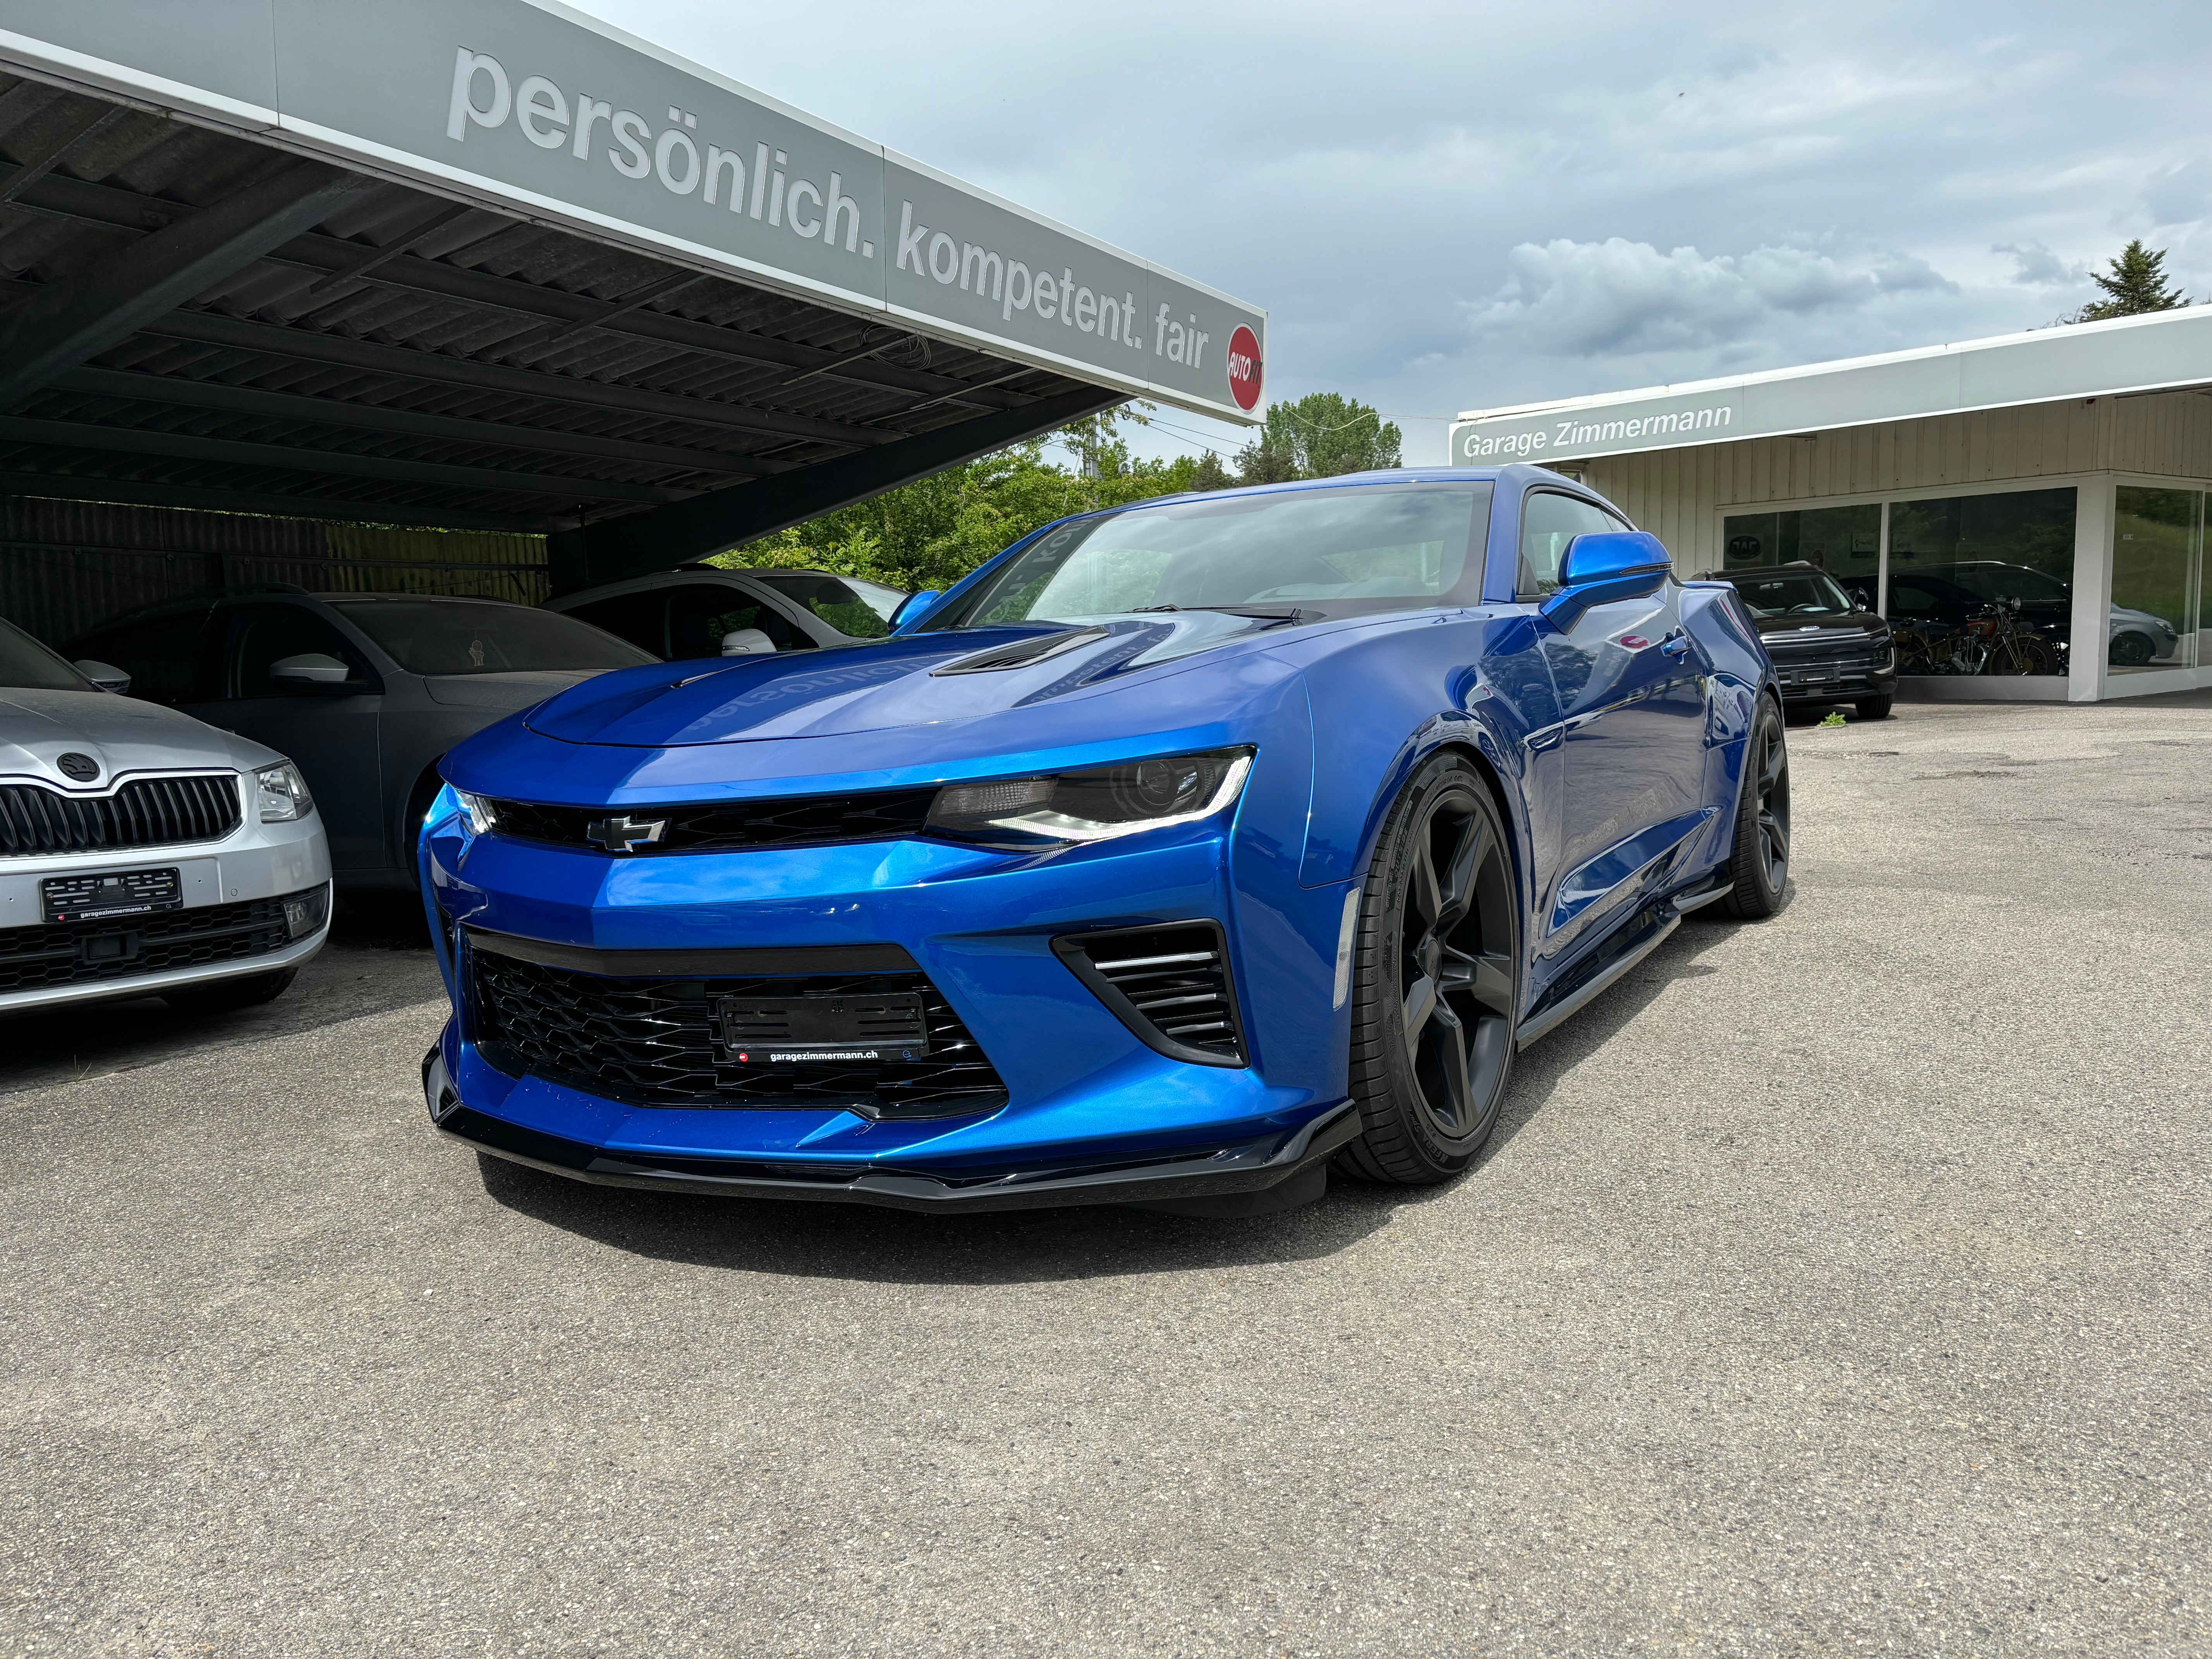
x=1169 y=986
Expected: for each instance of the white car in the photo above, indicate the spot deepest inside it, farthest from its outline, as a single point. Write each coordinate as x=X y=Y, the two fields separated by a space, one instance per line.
x=142 y=852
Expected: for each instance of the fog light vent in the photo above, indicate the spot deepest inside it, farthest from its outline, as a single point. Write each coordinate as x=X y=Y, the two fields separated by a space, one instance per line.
x=306 y=913
x=1169 y=984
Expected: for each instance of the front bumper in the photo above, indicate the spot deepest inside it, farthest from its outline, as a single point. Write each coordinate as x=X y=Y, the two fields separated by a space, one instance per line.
x=1832 y=685
x=1182 y=1179
x=1083 y=1110
x=257 y=865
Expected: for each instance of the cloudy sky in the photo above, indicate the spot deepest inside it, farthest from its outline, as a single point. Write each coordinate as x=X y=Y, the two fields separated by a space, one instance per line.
x=1446 y=207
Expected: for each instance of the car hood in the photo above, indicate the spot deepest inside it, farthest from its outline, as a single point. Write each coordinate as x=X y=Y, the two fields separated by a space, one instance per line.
x=503 y=692
x=867 y=688
x=123 y=735
x=1781 y=630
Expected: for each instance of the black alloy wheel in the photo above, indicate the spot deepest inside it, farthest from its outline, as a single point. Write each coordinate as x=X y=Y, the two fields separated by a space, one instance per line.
x=2131 y=650
x=1759 y=862
x=1436 y=985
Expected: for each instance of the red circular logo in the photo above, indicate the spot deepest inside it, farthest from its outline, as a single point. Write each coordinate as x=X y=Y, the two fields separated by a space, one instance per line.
x=1244 y=366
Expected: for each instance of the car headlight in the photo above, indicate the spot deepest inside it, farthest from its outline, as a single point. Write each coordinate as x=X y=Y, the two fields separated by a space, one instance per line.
x=1072 y=807
x=283 y=792
x=478 y=812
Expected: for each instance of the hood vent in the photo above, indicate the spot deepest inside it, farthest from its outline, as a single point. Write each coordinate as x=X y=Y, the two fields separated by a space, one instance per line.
x=1022 y=653
x=1169 y=986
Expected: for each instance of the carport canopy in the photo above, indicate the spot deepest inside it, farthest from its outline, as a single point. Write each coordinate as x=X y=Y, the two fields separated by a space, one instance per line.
x=496 y=265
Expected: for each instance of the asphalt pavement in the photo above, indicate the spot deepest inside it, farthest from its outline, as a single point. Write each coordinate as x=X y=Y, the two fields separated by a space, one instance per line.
x=1834 y=1284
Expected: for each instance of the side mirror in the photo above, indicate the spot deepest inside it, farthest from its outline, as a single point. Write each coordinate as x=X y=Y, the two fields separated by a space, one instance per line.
x=311 y=672
x=1604 y=566
x=104 y=675
x=746 y=642
x=914 y=604
x=1609 y=556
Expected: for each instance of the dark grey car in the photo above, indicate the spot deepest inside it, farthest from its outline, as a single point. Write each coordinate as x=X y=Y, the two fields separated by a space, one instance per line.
x=365 y=691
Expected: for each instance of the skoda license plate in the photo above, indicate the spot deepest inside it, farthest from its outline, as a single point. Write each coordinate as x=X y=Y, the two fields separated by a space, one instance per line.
x=95 y=898
x=857 y=1028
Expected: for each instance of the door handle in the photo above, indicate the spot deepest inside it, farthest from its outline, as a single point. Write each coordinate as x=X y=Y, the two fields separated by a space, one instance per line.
x=1675 y=644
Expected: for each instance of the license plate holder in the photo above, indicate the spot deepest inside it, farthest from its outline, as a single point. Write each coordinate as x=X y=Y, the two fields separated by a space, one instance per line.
x=109 y=894
x=840 y=1027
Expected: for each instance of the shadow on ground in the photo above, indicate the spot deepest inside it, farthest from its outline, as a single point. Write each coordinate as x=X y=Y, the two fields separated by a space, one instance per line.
x=851 y=1241
x=378 y=958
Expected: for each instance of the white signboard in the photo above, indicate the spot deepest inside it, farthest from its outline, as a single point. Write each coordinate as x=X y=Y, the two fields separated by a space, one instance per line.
x=529 y=106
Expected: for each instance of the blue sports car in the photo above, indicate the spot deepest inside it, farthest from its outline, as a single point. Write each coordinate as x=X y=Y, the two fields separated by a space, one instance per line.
x=1182 y=851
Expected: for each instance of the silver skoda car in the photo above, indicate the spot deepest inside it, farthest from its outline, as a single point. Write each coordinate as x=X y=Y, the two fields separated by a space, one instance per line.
x=143 y=853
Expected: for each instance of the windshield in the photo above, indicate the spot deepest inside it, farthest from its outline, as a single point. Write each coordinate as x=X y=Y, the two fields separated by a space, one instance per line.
x=1800 y=594
x=27 y=666
x=2007 y=581
x=466 y=636
x=1367 y=547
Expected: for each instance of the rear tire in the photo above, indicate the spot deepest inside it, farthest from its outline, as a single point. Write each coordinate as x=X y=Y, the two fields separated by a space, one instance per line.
x=228 y=995
x=1875 y=709
x=1437 y=981
x=1758 y=864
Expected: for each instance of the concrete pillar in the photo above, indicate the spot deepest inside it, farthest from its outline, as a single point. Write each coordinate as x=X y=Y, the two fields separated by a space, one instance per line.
x=2092 y=590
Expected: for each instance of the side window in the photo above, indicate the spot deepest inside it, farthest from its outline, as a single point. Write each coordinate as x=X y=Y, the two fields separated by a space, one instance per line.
x=1908 y=599
x=170 y=658
x=845 y=608
x=699 y=614
x=260 y=634
x=633 y=617
x=1548 y=523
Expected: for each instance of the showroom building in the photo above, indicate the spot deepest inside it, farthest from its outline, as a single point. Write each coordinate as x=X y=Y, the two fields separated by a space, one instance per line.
x=494 y=298
x=2049 y=485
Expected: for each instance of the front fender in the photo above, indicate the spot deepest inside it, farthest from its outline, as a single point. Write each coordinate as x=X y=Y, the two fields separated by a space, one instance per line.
x=1385 y=701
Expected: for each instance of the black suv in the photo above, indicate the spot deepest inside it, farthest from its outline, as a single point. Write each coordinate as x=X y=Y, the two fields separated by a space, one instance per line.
x=1825 y=648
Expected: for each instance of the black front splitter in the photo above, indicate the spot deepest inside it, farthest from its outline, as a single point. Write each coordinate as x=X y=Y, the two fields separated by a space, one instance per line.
x=1224 y=1181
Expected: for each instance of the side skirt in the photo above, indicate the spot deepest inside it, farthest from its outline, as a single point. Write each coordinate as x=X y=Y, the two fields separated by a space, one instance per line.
x=1651 y=929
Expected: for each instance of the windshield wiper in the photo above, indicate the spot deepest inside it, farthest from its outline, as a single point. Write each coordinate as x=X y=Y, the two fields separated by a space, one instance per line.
x=1258 y=613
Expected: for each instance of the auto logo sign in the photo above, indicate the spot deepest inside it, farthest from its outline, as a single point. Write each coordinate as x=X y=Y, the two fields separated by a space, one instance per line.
x=1245 y=367
x=624 y=834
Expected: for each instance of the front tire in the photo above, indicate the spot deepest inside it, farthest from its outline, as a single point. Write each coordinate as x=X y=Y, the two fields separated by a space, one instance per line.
x=1437 y=981
x=1758 y=864
x=1875 y=709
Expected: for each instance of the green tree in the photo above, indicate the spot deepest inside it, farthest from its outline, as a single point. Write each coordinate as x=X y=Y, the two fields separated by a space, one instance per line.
x=2137 y=284
x=1324 y=434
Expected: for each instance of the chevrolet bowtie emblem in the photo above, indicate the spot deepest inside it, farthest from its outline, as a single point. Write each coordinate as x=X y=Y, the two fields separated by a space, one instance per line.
x=624 y=834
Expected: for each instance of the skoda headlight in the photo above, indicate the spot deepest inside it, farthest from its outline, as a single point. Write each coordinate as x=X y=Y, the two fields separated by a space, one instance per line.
x=1021 y=813
x=283 y=792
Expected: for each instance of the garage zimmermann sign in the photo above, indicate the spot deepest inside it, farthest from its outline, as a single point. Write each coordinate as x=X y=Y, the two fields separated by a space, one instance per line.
x=1657 y=422
x=541 y=111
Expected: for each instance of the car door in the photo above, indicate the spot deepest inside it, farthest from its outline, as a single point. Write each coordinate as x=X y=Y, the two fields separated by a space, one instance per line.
x=333 y=735
x=1631 y=689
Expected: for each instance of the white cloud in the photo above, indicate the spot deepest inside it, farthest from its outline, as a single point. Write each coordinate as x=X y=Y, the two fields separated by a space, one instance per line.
x=2036 y=266
x=1623 y=298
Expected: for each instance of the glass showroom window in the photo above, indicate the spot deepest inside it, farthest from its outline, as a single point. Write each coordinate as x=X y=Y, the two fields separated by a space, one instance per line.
x=1983 y=583
x=2158 y=538
x=1844 y=541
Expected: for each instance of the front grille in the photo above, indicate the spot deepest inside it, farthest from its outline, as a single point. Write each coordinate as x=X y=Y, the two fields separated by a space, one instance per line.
x=78 y=953
x=727 y=826
x=654 y=1041
x=144 y=813
x=1169 y=984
